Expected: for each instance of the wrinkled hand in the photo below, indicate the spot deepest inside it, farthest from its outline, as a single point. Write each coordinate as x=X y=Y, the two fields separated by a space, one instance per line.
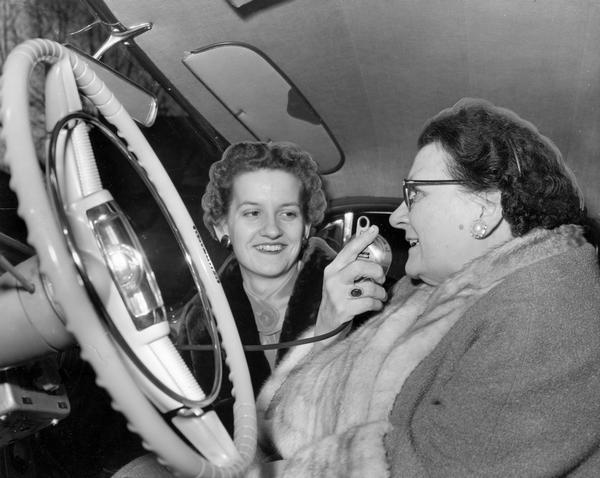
x=351 y=286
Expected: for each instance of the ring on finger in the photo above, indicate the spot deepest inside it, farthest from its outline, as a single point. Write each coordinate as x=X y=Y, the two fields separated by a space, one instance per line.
x=356 y=292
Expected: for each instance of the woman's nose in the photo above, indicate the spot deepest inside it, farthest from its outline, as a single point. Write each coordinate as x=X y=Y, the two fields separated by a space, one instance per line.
x=400 y=216
x=271 y=228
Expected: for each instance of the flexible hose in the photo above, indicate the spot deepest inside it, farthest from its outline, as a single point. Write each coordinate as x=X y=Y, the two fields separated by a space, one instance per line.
x=174 y=364
x=87 y=170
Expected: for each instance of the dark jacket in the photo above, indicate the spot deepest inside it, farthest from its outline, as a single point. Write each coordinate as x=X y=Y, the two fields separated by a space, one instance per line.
x=301 y=313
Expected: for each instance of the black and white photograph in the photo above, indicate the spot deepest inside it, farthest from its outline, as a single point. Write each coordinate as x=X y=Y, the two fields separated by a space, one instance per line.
x=299 y=238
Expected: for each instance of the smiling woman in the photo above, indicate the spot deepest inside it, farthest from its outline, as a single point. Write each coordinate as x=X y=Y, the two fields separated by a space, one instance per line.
x=266 y=227
x=442 y=238
x=262 y=201
x=486 y=355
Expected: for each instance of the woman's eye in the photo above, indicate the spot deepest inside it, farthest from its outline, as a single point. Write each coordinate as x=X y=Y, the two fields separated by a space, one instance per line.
x=290 y=214
x=251 y=213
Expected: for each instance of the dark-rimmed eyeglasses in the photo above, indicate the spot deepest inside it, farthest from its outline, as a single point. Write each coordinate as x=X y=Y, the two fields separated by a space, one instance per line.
x=408 y=187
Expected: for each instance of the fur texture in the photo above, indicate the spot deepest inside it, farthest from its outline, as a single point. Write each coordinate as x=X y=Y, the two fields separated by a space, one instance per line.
x=323 y=410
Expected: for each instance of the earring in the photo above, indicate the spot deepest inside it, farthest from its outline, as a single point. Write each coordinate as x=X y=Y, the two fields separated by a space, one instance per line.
x=225 y=241
x=479 y=228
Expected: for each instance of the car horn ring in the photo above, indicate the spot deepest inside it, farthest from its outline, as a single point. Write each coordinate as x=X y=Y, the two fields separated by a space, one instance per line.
x=185 y=449
x=56 y=200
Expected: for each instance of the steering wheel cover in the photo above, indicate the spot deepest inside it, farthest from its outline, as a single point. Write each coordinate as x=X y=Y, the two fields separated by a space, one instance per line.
x=56 y=263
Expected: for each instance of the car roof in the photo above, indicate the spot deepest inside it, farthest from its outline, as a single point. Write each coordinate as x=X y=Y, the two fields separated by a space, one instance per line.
x=375 y=71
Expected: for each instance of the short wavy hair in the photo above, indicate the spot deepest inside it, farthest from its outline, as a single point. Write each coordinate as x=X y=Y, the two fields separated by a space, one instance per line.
x=492 y=148
x=250 y=156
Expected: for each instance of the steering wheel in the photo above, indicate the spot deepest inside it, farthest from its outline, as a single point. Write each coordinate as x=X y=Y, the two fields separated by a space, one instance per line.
x=133 y=394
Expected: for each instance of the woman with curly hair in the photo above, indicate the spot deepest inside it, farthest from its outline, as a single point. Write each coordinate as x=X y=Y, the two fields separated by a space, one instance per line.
x=486 y=359
x=261 y=202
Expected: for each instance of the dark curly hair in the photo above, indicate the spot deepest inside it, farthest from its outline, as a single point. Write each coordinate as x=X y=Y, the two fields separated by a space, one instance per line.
x=251 y=156
x=493 y=148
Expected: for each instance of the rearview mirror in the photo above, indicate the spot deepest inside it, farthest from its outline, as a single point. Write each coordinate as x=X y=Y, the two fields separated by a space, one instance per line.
x=141 y=105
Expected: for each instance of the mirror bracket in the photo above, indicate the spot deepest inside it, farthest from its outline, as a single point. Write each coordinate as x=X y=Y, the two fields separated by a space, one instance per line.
x=121 y=36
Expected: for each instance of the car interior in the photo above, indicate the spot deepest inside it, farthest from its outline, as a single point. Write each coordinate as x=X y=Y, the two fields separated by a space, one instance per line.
x=147 y=95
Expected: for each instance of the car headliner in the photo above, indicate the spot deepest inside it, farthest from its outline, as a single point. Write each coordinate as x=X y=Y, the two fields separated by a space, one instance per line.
x=376 y=70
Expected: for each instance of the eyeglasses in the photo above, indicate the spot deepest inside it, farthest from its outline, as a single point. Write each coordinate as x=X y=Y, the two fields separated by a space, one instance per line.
x=408 y=187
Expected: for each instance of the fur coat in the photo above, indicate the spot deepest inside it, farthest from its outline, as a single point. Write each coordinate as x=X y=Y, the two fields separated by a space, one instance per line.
x=329 y=413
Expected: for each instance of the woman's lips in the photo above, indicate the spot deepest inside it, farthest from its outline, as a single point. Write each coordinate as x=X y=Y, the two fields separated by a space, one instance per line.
x=271 y=248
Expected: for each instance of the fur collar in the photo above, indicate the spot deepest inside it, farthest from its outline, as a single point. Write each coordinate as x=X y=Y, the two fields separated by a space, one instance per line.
x=306 y=297
x=304 y=302
x=320 y=412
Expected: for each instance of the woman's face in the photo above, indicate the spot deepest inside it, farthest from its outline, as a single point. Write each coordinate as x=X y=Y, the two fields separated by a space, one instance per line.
x=265 y=222
x=438 y=225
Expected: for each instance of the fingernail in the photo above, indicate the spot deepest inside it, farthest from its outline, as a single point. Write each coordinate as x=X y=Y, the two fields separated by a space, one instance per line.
x=372 y=228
